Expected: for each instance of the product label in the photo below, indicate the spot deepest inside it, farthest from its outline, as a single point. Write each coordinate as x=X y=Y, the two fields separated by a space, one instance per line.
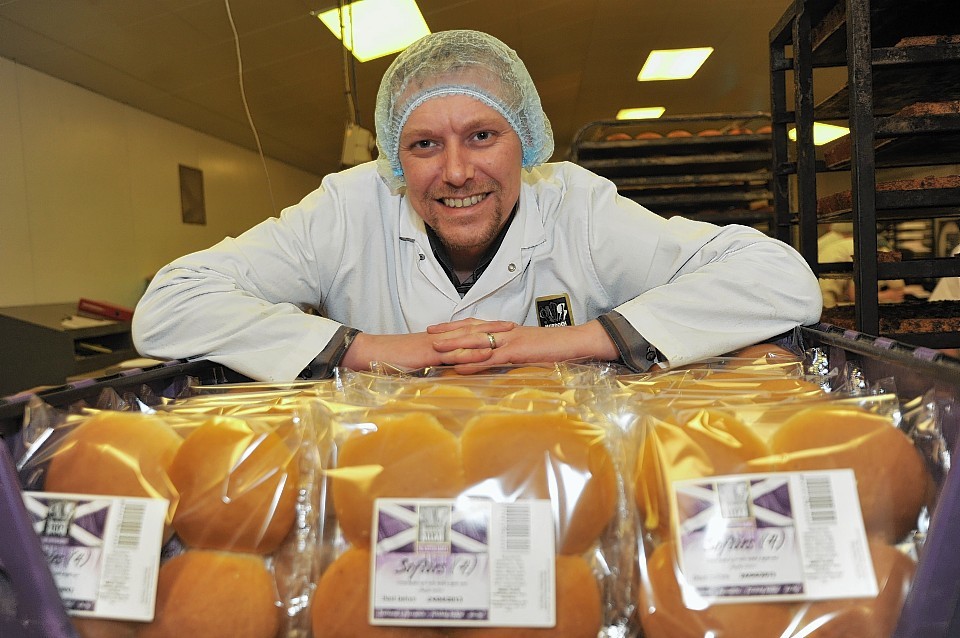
x=463 y=562
x=780 y=536
x=103 y=551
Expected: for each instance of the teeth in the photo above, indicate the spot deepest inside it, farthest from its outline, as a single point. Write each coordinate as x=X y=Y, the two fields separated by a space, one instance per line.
x=460 y=203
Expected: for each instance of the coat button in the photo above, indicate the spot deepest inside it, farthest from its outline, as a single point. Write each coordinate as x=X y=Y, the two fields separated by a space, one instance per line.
x=512 y=267
x=422 y=256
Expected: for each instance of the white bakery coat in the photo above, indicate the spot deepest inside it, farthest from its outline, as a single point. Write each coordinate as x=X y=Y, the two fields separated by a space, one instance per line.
x=359 y=254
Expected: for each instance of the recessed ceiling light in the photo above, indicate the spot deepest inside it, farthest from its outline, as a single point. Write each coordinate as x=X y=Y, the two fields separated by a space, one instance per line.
x=643 y=113
x=379 y=27
x=822 y=133
x=673 y=64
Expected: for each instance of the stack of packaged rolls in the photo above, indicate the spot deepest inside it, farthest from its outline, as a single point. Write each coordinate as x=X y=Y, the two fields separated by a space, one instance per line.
x=475 y=505
x=555 y=500
x=770 y=508
x=233 y=488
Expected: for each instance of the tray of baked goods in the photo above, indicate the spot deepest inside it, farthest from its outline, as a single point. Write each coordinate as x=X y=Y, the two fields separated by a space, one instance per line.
x=712 y=166
x=890 y=22
x=916 y=198
x=796 y=486
x=916 y=69
x=922 y=134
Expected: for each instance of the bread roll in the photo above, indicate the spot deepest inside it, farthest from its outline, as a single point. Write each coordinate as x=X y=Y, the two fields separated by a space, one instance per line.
x=695 y=444
x=534 y=399
x=616 y=137
x=648 y=135
x=104 y=627
x=578 y=607
x=441 y=395
x=664 y=614
x=238 y=487
x=509 y=457
x=214 y=595
x=679 y=133
x=406 y=455
x=758 y=386
x=116 y=454
x=529 y=377
x=865 y=617
x=892 y=480
x=341 y=603
x=710 y=132
x=765 y=351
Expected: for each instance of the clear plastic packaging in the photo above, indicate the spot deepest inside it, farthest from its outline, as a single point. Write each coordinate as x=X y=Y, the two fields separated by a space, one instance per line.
x=488 y=457
x=683 y=449
x=242 y=502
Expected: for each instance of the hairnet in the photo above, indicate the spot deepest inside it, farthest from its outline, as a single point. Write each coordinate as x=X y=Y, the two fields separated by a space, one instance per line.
x=459 y=63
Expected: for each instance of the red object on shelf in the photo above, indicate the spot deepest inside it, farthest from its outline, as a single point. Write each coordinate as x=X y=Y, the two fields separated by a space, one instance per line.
x=104 y=309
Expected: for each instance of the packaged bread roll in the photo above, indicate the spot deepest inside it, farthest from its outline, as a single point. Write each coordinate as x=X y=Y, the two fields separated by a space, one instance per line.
x=215 y=595
x=687 y=444
x=341 y=604
x=892 y=480
x=406 y=454
x=238 y=482
x=578 y=607
x=665 y=614
x=340 y=607
x=554 y=456
x=105 y=627
x=874 y=617
x=116 y=454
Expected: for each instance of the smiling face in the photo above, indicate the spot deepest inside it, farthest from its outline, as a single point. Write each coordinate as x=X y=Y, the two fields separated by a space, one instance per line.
x=461 y=161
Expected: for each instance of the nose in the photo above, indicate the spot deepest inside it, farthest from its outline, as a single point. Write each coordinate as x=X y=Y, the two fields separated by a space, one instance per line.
x=457 y=167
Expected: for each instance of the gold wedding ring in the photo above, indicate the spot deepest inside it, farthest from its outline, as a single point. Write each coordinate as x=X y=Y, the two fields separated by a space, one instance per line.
x=493 y=342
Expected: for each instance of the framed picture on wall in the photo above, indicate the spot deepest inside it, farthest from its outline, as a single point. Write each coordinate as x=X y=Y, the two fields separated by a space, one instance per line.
x=193 y=208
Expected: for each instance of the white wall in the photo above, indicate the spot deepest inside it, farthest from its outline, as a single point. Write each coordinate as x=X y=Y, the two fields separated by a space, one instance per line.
x=90 y=195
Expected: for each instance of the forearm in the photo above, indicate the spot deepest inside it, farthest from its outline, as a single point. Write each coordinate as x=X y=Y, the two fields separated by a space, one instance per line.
x=741 y=292
x=188 y=313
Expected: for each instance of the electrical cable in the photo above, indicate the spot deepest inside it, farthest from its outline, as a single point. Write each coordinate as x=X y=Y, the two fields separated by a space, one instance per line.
x=349 y=69
x=246 y=108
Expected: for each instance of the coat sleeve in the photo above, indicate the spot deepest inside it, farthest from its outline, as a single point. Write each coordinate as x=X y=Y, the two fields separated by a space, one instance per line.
x=245 y=302
x=693 y=289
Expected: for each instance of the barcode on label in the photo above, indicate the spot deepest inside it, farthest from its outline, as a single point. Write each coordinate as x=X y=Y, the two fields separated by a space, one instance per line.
x=516 y=528
x=819 y=499
x=131 y=525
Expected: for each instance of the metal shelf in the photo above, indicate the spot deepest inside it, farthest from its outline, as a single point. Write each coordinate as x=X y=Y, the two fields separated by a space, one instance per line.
x=896 y=56
x=722 y=177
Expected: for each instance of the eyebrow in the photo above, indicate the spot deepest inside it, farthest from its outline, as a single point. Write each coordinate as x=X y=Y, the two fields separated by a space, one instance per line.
x=481 y=122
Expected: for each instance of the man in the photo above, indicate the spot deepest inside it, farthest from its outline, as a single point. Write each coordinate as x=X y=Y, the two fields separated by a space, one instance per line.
x=459 y=246
x=834 y=246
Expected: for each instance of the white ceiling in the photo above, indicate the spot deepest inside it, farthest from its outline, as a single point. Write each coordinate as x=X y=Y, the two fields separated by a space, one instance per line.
x=177 y=59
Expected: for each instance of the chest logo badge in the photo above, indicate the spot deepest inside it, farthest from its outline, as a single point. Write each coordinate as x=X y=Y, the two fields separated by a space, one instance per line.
x=554 y=311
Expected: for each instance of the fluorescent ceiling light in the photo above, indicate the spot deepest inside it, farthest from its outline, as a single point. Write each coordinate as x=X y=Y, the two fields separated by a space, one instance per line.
x=380 y=27
x=822 y=133
x=643 y=113
x=673 y=64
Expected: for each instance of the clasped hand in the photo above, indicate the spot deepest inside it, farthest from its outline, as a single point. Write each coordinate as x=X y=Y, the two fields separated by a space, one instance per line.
x=469 y=343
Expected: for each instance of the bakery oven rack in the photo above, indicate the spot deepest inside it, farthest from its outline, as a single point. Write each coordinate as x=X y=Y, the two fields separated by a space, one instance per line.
x=719 y=171
x=901 y=102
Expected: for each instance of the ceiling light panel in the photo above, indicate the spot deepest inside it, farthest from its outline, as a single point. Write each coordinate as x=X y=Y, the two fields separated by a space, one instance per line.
x=641 y=113
x=375 y=28
x=673 y=64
